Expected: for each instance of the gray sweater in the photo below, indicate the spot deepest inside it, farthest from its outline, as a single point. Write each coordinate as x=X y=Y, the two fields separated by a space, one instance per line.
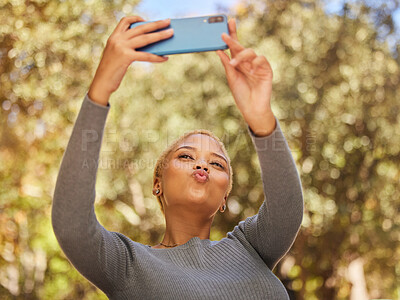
x=236 y=267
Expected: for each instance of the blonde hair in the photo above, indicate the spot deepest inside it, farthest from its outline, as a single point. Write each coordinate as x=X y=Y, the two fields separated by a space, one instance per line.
x=162 y=160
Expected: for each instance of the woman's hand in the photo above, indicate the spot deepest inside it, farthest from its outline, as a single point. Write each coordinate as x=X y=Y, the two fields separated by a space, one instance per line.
x=120 y=52
x=250 y=80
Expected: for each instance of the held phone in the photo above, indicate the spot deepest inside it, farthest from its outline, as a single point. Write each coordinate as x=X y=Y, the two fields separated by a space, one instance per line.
x=196 y=34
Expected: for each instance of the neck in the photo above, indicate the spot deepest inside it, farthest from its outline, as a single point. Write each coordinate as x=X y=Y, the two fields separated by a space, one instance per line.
x=181 y=228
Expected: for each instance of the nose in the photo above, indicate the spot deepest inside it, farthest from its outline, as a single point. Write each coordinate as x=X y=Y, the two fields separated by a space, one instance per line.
x=201 y=164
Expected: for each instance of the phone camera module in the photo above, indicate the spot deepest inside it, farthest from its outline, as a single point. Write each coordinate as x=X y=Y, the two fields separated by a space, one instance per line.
x=217 y=19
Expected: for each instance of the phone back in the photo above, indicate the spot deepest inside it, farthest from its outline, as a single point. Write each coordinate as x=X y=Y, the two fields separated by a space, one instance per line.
x=195 y=34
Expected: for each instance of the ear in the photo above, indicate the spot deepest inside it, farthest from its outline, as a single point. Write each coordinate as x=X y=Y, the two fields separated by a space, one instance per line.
x=157 y=186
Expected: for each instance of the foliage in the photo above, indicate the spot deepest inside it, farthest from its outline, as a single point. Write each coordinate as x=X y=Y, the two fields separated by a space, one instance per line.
x=48 y=54
x=335 y=86
x=335 y=93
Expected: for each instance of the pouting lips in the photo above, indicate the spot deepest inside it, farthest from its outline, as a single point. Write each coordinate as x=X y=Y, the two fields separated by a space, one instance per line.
x=200 y=175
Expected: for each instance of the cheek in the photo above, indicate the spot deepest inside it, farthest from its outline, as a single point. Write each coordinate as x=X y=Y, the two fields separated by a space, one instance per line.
x=177 y=168
x=222 y=181
x=176 y=176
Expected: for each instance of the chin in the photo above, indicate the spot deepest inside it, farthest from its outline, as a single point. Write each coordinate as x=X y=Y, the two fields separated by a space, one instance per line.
x=198 y=195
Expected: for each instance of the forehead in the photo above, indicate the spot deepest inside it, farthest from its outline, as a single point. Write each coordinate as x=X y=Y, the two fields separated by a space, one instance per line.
x=201 y=142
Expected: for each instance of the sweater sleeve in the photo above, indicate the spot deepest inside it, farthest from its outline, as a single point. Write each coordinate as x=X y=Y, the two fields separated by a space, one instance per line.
x=98 y=254
x=272 y=231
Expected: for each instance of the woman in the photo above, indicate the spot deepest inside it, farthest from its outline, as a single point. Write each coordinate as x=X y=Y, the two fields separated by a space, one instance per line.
x=192 y=180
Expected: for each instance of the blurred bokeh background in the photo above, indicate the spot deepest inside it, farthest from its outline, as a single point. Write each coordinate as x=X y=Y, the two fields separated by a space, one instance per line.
x=336 y=94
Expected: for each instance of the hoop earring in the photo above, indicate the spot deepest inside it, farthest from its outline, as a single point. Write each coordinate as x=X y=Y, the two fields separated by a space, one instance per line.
x=223 y=208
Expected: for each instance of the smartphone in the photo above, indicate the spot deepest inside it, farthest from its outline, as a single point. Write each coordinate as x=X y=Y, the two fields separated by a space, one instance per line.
x=195 y=34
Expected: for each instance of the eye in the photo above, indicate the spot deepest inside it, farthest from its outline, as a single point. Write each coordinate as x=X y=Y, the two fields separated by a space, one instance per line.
x=186 y=156
x=218 y=164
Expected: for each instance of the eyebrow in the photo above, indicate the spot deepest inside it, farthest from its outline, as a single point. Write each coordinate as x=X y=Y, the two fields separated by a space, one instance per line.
x=212 y=153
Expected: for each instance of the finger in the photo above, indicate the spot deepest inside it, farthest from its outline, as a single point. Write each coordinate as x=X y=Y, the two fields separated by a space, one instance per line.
x=125 y=22
x=149 y=38
x=245 y=55
x=229 y=70
x=233 y=45
x=232 y=29
x=149 y=57
x=224 y=59
x=148 y=27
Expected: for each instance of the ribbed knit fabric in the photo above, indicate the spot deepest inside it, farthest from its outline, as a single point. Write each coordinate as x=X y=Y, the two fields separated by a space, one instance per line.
x=236 y=267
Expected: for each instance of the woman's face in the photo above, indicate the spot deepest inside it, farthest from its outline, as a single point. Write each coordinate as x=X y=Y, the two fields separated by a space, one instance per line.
x=196 y=176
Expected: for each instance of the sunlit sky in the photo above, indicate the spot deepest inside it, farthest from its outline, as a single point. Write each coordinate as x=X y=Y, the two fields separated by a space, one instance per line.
x=155 y=9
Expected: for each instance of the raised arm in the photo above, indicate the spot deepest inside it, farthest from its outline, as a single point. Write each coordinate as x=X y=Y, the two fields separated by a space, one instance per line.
x=101 y=256
x=272 y=231
x=74 y=222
